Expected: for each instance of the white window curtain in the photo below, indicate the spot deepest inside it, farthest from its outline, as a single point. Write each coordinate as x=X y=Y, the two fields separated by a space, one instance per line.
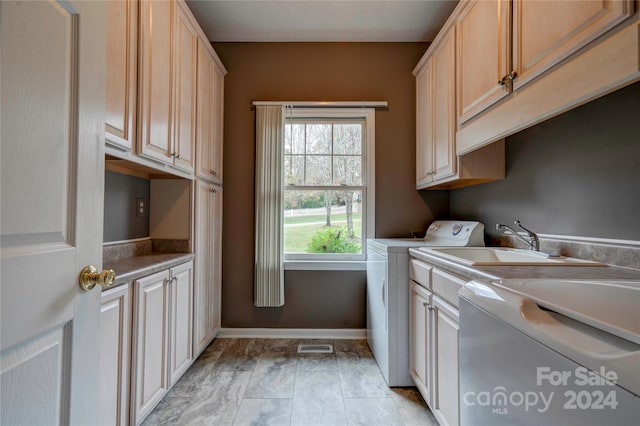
x=269 y=271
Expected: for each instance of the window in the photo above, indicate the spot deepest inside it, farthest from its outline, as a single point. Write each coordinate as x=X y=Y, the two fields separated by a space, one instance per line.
x=328 y=184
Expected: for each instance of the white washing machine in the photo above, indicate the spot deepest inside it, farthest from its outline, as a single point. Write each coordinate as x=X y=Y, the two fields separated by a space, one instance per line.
x=388 y=292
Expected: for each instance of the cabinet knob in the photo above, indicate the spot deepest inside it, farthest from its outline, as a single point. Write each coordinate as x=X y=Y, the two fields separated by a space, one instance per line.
x=213 y=172
x=212 y=190
x=90 y=277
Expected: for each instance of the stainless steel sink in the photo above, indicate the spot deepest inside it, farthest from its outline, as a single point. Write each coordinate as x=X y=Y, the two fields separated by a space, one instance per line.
x=501 y=256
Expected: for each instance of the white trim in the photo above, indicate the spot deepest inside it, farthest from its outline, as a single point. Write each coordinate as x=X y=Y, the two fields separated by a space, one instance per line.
x=320 y=104
x=134 y=240
x=294 y=333
x=605 y=241
x=323 y=265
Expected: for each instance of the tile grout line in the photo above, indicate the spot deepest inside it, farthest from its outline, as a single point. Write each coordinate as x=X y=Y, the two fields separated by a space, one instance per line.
x=293 y=394
x=344 y=406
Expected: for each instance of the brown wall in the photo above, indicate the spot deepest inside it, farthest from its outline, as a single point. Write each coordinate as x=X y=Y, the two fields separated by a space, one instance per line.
x=120 y=219
x=317 y=72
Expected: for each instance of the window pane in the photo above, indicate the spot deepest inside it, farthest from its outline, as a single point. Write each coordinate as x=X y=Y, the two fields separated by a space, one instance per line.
x=318 y=139
x=347 y=139
x=294 y=138
x=297 y=139
x=347 y=170
x=318 y=170
x=320 y=222
x=294 y=169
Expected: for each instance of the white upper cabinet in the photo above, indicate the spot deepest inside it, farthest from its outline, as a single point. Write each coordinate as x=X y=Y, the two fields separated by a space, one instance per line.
x=437 y=164
x=424 y=125
x=556 y=55
x=209 y=134
x=185 y=72
x=165 y=89
x=156 y=80
x=435 y=113
x=121 y=82
x=205 y=112
x=545 y=33
x=444 y=113
x=218 y=121
x=483 y=55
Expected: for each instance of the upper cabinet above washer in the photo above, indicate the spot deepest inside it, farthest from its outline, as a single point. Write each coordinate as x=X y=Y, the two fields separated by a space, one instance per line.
x=520 y=62
x=504 y=44
x=483 y=55
x=437 y=164
x=546 y=32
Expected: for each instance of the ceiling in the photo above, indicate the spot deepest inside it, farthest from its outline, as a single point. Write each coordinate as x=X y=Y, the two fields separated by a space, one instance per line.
x=321 y=20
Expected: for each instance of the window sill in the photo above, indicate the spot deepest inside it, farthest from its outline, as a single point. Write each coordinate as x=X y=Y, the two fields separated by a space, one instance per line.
x=325 y=265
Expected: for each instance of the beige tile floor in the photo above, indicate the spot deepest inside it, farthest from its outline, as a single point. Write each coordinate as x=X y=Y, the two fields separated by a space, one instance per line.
x=265 y=382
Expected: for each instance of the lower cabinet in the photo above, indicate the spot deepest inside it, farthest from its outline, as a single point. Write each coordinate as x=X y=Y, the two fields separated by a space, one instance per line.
x=420 y=323
x=150 y=344
x=162 y=336
x=181 y=320
x=446 y=404
x=113 y=370
x=433 y=337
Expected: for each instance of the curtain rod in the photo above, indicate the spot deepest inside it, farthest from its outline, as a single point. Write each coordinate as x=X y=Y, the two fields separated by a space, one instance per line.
x=342 y=104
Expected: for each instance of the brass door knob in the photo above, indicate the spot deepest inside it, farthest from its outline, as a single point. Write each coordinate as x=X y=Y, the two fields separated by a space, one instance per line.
x=90 y=277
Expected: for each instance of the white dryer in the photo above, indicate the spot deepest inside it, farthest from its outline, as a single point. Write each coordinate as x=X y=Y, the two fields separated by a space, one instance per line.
x=388 y=292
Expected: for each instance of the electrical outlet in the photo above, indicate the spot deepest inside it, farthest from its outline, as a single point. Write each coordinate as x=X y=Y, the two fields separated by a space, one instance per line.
x=139 y=206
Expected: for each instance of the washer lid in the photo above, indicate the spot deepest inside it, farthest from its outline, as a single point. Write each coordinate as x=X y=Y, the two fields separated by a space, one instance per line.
x=609 y=305
x=574 y=329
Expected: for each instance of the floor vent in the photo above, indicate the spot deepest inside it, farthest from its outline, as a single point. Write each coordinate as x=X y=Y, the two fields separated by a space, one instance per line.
x=315 y=349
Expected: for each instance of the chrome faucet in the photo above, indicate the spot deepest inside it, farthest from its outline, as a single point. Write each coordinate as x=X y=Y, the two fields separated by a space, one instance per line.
x=532 y=242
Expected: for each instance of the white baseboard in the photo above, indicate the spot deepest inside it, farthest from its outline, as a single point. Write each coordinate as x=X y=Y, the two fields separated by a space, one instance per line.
x=295 y=333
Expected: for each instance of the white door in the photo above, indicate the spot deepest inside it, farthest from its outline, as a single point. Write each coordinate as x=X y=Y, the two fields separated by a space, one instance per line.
x=52 y=176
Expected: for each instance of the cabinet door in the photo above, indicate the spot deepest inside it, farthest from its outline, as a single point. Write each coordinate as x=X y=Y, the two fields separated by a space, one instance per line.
x=185 y=75
x=444 y=115
x=155 y=80
x=545 y=33
x=149 y=369
x=181 y=337
x=203 y=265
x=420 y=355
x=218 y=123
x=424 y=125
x=483 y=52
x=204 y=126
x=115 y=323
x=121 y=84
x=446 y=402
x=215 y=303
